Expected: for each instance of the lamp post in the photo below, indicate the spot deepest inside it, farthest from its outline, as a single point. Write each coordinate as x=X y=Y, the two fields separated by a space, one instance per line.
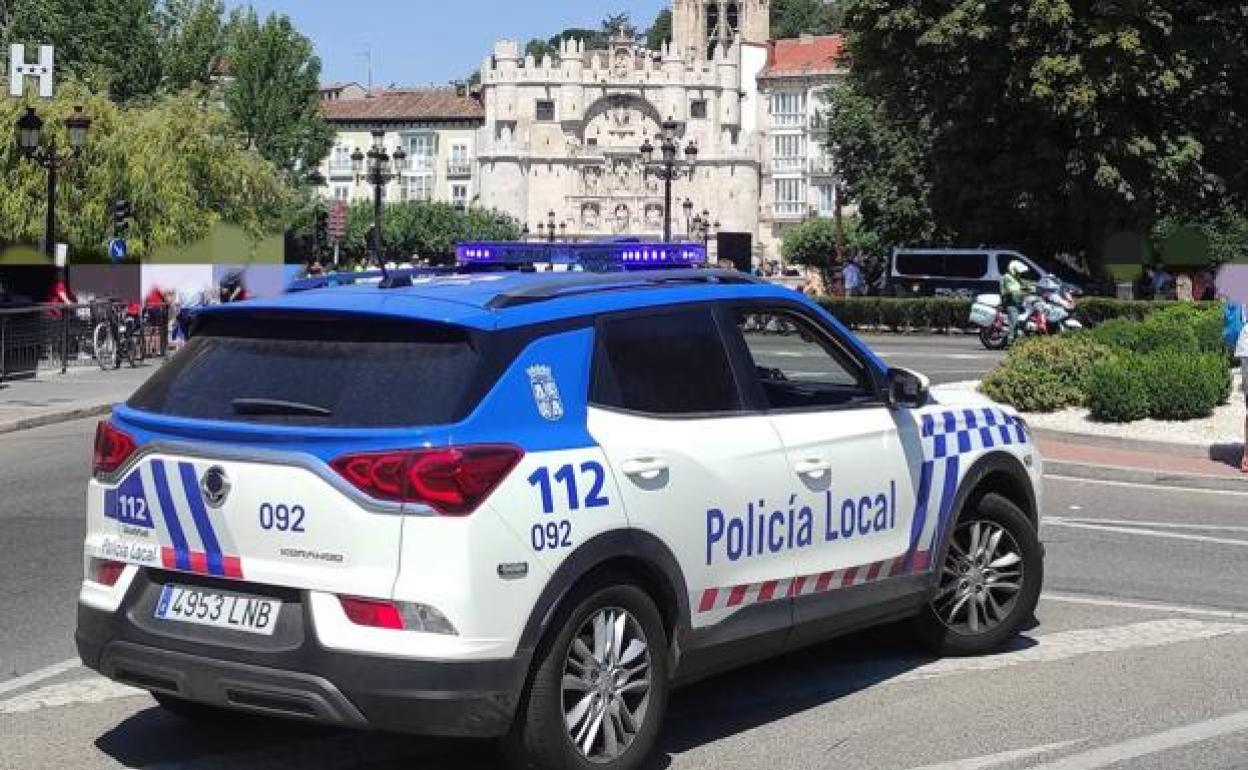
x=382 y=167
x=669 y=167
x=29 y=128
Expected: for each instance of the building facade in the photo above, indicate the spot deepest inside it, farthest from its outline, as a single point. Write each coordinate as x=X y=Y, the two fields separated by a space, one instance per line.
x=563 y=134
x=437 y=128
x=799 y=179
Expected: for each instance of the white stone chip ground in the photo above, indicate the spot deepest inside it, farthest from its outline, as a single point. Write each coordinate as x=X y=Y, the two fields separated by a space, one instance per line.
x=1226 y=426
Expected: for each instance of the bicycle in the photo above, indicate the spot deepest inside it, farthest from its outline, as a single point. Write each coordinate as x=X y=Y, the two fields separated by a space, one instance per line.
x=114 y=338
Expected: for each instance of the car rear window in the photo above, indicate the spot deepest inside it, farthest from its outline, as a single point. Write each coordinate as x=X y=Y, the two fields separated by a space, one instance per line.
x=324 y=371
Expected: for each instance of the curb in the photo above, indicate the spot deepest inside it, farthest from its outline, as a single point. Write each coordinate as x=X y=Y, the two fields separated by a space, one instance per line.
x=1122 y=474
x=1174 y=449
x=55 y=418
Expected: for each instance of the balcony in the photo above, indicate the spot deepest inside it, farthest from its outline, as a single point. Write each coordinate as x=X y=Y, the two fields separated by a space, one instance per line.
x=788 y=165
x=458 y=167
x=420 y=163
x=822 y=166
x=788 y=120
x=788 y=210
x=339 y=169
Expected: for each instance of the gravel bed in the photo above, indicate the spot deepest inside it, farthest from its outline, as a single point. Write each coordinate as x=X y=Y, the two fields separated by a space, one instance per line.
x=1226 y=426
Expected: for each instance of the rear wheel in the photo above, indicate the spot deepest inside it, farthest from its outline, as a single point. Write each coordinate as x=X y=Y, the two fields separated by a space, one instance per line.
x=993 y=337
x=599 y=691
x=989 y=582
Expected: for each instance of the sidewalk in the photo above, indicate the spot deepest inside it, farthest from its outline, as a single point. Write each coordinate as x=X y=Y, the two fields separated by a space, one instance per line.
x=1069 y=456
x=53 y=397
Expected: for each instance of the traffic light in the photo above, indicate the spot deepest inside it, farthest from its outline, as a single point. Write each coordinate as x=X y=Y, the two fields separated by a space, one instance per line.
x=122 y=211
x=320 y=231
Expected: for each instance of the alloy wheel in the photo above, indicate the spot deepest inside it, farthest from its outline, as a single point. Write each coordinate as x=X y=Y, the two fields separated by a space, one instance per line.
x=981 y=578
x=606 y=684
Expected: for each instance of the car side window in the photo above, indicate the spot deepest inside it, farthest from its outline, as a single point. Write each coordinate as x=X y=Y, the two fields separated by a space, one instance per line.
x=798 y=366
x=665 y=363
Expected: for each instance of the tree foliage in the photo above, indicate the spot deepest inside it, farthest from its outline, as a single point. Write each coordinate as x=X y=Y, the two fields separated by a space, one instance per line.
x=274 y=91
x=176 y=160
x=660 y=31
x=794 y=18
x=1049 y=125
x=107 y=44
x=193 y=42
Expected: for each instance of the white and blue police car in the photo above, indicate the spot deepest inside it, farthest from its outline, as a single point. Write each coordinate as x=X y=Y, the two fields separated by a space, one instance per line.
x=527 y=504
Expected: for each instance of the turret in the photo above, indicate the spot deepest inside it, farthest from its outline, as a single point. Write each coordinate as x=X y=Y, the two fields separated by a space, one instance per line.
x=728 y=72
x=572 y=71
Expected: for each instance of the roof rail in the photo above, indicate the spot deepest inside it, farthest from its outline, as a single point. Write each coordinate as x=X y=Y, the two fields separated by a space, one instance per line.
x=590 y=283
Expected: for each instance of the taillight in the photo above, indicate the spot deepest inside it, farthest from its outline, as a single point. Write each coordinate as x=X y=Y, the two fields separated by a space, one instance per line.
x=112 y=448
x=371 y=612
x=452 y=481
x=106 y=572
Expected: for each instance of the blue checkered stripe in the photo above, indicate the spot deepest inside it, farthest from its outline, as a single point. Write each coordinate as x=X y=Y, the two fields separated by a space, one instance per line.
x=962 y=431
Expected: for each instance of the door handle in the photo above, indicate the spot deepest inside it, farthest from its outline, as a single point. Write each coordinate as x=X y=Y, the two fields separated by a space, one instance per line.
x=814 y=468
x=647 y=468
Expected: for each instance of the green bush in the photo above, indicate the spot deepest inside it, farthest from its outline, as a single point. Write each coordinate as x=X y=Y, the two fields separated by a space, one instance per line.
x=1183 y=387
x=1045 y=374
x=1117 y=391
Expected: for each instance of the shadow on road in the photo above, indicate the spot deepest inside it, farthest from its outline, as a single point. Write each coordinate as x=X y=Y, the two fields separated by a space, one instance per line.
x=708 y=711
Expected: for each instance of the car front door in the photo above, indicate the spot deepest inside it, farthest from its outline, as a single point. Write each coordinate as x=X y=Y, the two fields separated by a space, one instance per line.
x=697 y=469
x=855 y=465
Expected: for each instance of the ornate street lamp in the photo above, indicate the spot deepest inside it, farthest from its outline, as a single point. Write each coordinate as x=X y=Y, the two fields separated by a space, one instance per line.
x=669 y=166
x=29 y=134
x=381 y=168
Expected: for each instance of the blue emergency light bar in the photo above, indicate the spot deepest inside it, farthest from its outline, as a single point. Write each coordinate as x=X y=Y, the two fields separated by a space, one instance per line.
x=590 y=257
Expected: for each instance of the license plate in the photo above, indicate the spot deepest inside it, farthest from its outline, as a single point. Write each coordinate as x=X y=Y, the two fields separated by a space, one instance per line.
x=205 y=607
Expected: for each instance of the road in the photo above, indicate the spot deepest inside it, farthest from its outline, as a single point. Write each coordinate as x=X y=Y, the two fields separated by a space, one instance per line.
x=1139 y=660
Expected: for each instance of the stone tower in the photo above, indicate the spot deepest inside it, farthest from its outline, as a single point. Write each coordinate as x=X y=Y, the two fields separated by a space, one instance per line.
x=700 y=26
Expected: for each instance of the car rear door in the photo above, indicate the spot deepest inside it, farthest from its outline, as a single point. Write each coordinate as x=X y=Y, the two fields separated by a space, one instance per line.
x=852 y=460
x=696 y=467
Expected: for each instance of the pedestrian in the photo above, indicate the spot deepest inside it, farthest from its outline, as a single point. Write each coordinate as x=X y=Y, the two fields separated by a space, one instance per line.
x=851 y=277
x=1184 y=288
x=1159 y=282
x=1235 y=333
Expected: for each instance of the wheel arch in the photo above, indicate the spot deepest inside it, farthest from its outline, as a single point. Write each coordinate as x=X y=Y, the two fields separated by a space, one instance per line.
x=997 y=472
x=633 y=552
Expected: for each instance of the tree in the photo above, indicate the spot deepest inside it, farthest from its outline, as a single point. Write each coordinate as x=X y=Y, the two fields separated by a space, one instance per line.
x=193 y=42
x=794 y=18
x=428 y=229
x=107 y=44
x=176 y=160
x=660 y=31
x=618 y=24
x=274 y=92
x=1053 y=125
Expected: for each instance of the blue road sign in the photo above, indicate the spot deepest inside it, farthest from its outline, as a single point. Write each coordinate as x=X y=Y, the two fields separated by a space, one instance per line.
x=117 y=249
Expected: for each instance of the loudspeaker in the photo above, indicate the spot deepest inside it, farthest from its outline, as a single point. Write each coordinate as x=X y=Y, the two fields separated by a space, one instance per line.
x=736 y=248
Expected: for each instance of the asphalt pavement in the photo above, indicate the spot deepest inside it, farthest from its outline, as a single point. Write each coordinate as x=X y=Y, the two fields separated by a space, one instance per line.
x=1139 y=660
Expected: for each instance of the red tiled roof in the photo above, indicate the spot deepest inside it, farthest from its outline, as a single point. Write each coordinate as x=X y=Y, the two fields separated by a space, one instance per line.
x=819 y=55
x=404 y=104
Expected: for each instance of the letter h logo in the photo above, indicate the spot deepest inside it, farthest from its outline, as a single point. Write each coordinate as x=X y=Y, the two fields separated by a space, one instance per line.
x=19 y=70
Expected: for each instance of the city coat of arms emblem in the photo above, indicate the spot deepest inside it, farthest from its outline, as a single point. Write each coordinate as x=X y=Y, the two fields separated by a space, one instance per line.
x=545 y=392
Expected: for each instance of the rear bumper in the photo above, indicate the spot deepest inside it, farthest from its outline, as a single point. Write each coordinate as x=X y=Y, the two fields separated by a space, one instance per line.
x=306 y=681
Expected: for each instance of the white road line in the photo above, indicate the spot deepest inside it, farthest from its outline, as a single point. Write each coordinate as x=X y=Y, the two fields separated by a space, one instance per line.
x=1005 y=757
x=1149 y=487
x=1099 y=601
x=1153 y=524
x=1086 y=641
x=1151 y=744
x=95 y=689
x=35 y=677
x=1057 y=522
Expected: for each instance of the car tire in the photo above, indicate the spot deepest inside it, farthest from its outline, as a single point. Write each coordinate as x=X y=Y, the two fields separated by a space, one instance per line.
x=540 y=737
x=1007 y=539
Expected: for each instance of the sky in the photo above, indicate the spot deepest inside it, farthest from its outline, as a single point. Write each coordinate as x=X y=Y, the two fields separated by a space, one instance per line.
x=422 y=42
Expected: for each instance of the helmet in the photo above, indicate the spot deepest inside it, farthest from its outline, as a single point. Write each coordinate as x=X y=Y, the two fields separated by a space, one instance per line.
x=1017 y=268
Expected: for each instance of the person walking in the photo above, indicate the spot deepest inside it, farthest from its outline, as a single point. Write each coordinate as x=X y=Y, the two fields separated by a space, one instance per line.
x=851 y=277
x=1235 y=333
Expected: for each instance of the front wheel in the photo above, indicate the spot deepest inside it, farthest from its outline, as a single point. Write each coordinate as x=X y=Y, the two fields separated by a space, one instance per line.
x=993 y=337
x=104 y=344
x=599 y=691
x=989 y=582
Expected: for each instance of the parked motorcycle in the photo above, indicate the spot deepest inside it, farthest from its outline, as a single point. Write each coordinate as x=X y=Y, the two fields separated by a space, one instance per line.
x=1050 y=311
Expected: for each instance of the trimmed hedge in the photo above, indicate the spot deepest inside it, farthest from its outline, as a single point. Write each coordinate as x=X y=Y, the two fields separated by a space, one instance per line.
x=944 y=313
x=1045 y=374
x=1169 y=366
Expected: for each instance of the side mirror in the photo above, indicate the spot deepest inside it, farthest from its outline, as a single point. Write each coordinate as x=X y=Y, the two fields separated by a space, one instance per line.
x=907 y=389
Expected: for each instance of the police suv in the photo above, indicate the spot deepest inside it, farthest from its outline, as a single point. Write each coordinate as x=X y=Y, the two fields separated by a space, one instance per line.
x=527 y=504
